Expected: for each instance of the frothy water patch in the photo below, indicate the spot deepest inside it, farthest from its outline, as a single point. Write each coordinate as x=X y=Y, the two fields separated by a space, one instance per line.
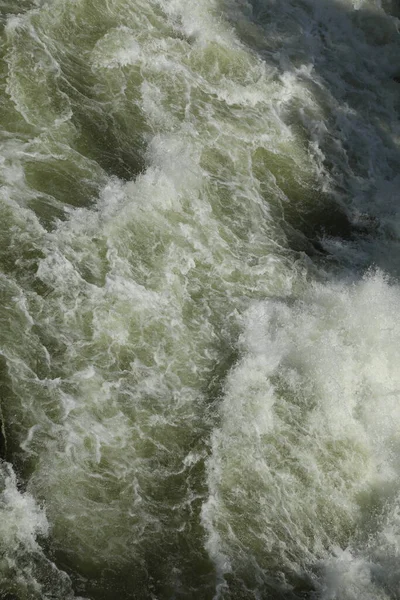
x=24 y=569
x=305 y=462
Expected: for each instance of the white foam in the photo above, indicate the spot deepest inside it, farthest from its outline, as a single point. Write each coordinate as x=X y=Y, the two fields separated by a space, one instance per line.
x=311 y=416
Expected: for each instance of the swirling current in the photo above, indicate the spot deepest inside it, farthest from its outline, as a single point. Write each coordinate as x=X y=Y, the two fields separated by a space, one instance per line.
x=200 y=296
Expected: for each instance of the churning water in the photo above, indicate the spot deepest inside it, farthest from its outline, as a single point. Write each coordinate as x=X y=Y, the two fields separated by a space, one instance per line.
x=200 y=299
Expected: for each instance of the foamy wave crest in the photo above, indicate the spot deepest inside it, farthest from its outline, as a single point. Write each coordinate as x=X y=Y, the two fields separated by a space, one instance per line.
x=305 y=463
x=24 y=570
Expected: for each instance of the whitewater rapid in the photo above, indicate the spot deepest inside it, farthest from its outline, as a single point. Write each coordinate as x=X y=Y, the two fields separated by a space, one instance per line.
x=199 y=279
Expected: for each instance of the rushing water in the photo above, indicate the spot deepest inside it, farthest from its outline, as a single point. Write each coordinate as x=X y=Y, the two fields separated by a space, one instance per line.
x=200 y=296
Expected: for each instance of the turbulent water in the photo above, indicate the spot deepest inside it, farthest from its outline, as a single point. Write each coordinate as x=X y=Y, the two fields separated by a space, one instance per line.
x=200 y=296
